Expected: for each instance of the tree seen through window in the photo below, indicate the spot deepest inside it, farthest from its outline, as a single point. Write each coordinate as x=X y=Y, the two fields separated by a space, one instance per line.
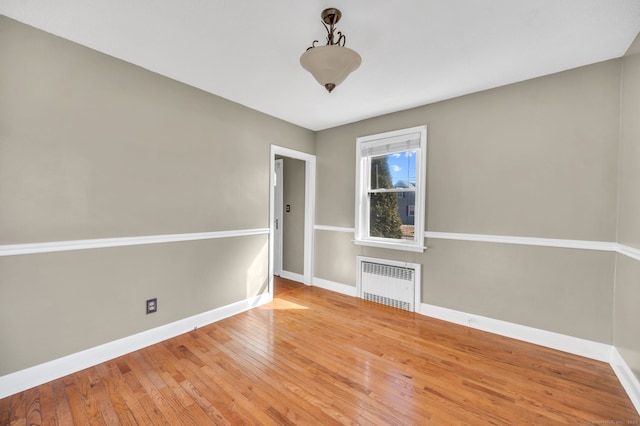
x=389 y=210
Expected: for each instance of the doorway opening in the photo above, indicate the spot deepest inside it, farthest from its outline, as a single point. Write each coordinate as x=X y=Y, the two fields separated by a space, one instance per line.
x=293 y=250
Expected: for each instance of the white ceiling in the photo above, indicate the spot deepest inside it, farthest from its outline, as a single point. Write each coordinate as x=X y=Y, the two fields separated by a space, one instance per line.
x=413 y=52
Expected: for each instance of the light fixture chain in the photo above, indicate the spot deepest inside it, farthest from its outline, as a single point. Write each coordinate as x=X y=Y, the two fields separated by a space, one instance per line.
x=342 y=39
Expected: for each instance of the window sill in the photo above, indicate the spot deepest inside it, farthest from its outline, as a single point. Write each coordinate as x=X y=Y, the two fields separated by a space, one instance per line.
x=390 y=245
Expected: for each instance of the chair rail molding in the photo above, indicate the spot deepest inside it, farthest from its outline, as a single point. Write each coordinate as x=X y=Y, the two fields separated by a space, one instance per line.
x=54 y=246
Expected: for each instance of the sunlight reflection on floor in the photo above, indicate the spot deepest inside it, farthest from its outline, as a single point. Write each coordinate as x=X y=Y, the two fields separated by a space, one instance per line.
x=278 y=303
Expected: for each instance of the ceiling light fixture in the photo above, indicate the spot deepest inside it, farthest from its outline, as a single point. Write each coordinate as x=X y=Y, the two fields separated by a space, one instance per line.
x=332 y=63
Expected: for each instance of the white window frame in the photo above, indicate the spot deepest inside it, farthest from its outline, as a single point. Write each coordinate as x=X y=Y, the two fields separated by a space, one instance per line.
x=387 y=143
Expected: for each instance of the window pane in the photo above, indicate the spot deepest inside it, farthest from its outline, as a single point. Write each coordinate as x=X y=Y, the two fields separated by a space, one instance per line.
x=389 y=215
x=390 y=179
x=397 y=170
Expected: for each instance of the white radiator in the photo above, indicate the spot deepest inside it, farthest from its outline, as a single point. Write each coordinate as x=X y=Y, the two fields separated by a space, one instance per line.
x=391 y=283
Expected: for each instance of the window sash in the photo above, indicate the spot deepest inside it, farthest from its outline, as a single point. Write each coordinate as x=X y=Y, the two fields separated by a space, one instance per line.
x=369 y=159
x=370 y=147
x=405 y=232
x=383 y=190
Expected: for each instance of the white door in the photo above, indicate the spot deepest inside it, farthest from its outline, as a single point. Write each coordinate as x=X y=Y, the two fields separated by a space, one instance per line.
x=277 y=223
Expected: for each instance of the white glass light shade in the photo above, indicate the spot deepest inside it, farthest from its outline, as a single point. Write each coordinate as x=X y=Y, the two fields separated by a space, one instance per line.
x=331 y=64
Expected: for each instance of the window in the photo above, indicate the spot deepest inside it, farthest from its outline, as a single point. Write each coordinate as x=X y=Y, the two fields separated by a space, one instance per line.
x=390 y=189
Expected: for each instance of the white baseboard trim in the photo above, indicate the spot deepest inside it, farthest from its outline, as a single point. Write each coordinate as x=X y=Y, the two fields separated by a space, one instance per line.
x=51 y=370
x=333 y=286
x=574 y=345
x=292 y=276
x=628 y=380
x=25 y=379
x=549 y=339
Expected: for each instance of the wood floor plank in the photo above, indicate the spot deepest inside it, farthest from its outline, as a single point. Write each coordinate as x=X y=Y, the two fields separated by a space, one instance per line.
x=140 y=397
x=5 y=411
x=214 y=399
x=133 y=411
x=18 y=410
x=316 y=357
x=118 y=403
x=78 y=409
x=84 y=385
x=214 y=415
x=399 y=396
x=33 y=407
x=283 y=368
x=61 y=402
x=218 y=371
x=261 y=397
x=152 y=384
x=98 y=392
x=265 y=372
x=47 y=405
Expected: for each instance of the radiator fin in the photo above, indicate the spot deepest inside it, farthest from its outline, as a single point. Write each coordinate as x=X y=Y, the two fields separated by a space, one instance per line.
x=394 y=303
x=388 y=284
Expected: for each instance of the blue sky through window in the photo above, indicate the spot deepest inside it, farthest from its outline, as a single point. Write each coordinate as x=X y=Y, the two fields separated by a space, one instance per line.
x=402 y=166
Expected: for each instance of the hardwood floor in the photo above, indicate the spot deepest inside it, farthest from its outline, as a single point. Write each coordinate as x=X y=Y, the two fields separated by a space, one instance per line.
x=317 y=357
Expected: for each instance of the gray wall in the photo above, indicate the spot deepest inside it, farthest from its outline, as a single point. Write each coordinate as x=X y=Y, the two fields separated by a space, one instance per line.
x=93 y=147
x=627 y=285
x=55 y=304
x=533 y=159
x=293 y=221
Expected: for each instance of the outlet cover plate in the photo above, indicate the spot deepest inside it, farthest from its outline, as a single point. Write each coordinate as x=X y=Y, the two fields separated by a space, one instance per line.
x=152 y=306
